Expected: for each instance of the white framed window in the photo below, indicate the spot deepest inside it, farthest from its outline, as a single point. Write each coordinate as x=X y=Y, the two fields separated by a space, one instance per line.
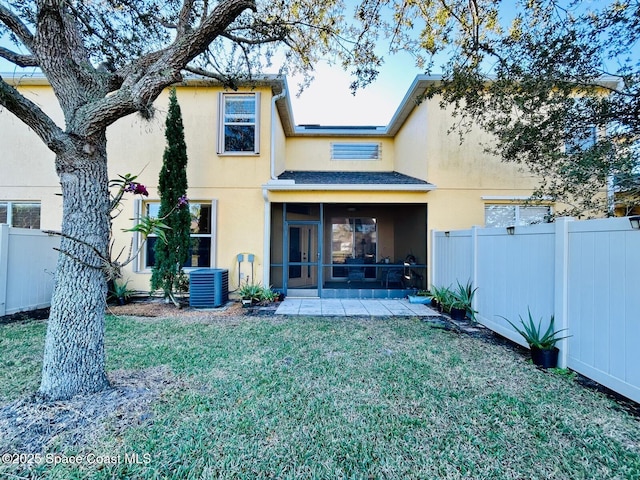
x=239 y=123
x=507 y=215
x=203 y=235
x=20 y=214
x=355 y=151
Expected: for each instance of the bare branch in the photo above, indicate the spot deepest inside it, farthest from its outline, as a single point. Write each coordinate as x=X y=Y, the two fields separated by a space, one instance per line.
x=206 y=73
x=159 y=69
x=27 y=111
x=184 y=17
x=252 y=41
x=18 y=59
x=14 y=24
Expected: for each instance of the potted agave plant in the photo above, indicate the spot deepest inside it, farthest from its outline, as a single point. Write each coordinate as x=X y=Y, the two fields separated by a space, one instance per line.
x=544 y=352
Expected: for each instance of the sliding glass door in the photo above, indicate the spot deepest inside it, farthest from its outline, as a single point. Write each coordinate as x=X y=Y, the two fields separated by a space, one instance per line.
x=354 y=243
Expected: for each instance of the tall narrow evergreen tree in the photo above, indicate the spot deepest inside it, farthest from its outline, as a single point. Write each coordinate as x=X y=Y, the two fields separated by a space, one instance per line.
x=172 y=184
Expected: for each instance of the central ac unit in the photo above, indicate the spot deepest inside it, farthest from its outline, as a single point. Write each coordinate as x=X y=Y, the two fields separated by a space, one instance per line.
x=208 y=287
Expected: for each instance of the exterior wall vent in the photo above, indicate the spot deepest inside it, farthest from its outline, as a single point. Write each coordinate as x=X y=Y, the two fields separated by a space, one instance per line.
x=355 y=151
x=208 y=287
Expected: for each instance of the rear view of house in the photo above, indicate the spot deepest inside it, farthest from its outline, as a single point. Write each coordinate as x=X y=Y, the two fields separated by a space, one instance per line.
x=312 y=210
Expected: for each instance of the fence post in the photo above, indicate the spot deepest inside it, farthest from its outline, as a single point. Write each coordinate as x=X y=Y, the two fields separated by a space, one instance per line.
x=561 y=302
x=4 y=266
x=474 y=264
x=433 y=258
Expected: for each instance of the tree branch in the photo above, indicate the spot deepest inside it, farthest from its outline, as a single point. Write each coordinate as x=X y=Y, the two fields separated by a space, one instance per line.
x=18 y=59
x=27 y=111
x=146 y=77
x=16 y=26
x=184 y=17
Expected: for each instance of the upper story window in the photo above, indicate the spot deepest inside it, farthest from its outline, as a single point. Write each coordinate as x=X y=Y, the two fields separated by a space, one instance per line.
x=355 y=151
x=20 y=214
x=239 y=123
x=507 y=215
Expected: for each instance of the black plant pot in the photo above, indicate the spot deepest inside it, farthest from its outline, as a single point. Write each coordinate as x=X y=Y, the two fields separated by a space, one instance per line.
x=458 y=313
x=545 y=358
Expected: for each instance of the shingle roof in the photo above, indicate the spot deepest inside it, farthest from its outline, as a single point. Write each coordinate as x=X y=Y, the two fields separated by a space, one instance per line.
x=350 y=178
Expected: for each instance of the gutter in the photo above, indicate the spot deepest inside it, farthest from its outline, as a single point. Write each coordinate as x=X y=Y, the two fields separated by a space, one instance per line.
x=272 y=158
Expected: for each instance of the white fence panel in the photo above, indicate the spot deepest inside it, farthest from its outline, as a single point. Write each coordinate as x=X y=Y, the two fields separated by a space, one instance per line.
x=603 y=303
x=454 y=258
x=510 y=282
x=586 y=274
x=27 y=267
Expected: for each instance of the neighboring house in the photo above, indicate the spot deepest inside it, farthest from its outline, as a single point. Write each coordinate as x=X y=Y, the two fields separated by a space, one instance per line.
x=329 y=211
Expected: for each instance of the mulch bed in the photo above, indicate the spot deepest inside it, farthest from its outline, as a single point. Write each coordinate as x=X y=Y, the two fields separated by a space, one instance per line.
x=31 y=426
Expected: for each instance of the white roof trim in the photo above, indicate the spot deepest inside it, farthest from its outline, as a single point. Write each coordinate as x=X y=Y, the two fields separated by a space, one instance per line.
x=515 y=198
x=341 y=187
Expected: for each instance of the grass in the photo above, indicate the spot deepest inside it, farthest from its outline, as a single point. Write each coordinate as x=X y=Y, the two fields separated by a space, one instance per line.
x=351 y=398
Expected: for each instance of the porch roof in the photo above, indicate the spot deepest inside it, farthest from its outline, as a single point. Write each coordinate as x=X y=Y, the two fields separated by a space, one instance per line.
x=335 y=180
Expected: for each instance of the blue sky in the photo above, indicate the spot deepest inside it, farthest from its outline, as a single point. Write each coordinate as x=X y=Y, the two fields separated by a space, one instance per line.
x=328 y=100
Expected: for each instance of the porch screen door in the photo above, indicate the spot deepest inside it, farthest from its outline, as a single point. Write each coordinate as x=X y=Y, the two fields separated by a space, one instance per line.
x=303 y=256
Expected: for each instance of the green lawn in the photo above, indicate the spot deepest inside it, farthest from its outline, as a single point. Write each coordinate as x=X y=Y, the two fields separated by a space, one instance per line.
x=352 y=398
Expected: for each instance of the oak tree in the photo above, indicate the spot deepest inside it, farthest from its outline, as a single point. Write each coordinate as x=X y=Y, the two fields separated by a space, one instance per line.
x=557 y=84
x=108 y=59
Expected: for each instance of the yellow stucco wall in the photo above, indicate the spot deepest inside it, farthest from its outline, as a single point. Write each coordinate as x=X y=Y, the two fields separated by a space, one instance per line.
x=314 y=153
x=422 y=148
x=232 y=181
x=27 y=165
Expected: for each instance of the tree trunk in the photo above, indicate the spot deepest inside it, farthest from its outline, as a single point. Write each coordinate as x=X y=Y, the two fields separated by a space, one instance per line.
x=74 y=358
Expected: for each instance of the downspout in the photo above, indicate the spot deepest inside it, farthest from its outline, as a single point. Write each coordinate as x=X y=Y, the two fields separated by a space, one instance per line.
x=266 y=253
x=273 y=132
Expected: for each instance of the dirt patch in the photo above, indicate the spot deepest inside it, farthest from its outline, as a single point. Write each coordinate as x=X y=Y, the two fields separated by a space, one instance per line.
x=158 y=308
x=40 y=314
x=29 y=426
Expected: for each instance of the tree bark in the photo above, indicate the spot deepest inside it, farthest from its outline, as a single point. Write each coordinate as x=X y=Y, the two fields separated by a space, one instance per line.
x=74 y=359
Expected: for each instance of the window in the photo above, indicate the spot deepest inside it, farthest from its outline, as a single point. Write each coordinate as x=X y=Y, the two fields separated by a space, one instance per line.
x=202 y=220
x=20 y=214
x=355 y=151
x=239 y=126
x=501 y=215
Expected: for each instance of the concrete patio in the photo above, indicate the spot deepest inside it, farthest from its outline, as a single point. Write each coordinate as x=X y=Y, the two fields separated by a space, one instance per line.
x=335 y=307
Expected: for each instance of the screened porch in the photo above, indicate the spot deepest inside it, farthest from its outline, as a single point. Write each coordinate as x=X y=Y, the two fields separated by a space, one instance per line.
x=348 y=251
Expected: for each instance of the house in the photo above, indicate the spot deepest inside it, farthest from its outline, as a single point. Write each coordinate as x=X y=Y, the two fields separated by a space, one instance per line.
x=309 y=209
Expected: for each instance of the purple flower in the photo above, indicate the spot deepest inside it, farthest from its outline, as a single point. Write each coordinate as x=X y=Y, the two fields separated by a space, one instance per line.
x=141 y=190
x=137 y=188
x=183 y=201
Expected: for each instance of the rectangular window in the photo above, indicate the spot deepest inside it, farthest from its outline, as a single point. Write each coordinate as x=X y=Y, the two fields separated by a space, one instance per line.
x=239 y=125
x=201 y=235
x=355 y=151
x=20 y=214
x=502 y=215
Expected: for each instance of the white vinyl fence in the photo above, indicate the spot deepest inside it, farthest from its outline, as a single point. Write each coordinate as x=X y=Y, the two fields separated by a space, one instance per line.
x=27 y=266
x=585 y=273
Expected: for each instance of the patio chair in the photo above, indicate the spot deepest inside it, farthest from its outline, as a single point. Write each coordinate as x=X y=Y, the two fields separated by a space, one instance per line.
x=355 y=269
x=393 y=276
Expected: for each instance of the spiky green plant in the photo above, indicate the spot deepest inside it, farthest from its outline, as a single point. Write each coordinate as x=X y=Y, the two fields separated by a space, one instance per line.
x=533 y=335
